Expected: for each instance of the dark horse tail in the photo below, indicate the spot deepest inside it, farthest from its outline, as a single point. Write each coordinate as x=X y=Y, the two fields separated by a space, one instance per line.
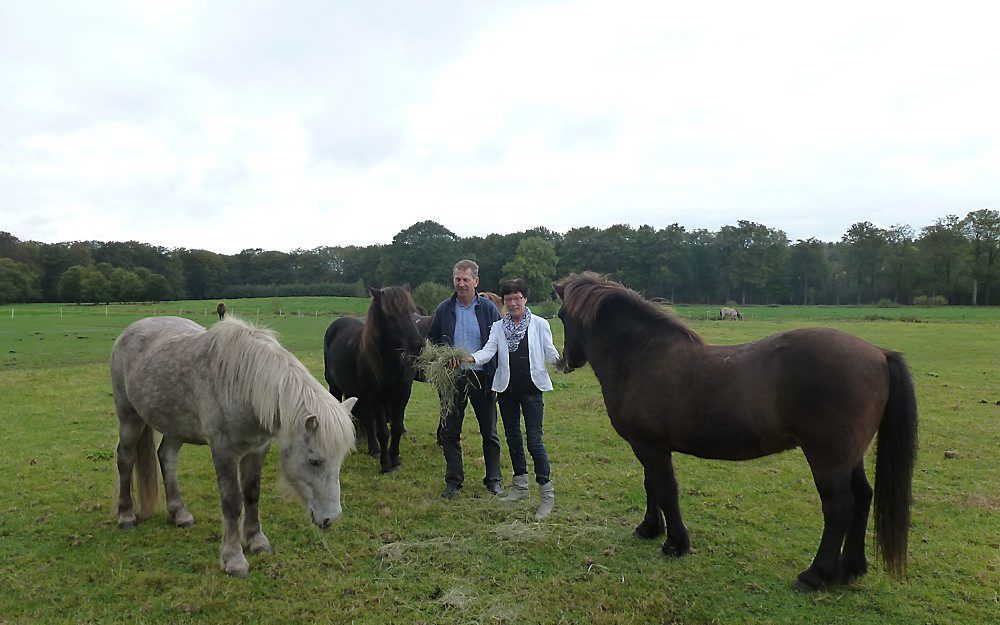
x=895 y=454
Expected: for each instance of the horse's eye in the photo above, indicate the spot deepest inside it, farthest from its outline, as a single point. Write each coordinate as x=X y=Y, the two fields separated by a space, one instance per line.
x=316 y=462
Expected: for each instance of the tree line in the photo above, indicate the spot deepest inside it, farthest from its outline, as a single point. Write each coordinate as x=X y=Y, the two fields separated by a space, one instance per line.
x=952 y=261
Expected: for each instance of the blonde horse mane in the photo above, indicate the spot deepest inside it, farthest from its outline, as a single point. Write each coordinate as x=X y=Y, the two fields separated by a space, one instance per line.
x=282 y=393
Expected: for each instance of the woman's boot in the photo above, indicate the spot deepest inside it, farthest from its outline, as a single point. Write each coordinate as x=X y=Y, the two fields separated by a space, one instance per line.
x=548 y=498
x=519 y=490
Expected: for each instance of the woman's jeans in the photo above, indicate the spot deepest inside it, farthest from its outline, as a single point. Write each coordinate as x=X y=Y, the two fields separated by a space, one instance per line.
x=511 y=407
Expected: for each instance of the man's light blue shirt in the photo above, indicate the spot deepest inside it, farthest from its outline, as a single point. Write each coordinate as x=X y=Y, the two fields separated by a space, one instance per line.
x=467 y=332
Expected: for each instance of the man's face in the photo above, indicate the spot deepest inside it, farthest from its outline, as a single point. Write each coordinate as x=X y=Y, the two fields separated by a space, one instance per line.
x=465 y=284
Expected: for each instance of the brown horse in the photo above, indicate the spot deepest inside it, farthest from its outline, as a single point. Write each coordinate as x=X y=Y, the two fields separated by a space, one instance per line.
x=820 y=389
x=493 y=297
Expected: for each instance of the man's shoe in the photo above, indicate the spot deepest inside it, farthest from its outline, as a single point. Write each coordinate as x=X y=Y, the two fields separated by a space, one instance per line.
x=450 y=492
x=494 y=489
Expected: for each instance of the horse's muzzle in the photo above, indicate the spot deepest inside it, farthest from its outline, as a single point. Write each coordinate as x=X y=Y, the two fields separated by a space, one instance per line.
x=324 y=522
x=563 y=366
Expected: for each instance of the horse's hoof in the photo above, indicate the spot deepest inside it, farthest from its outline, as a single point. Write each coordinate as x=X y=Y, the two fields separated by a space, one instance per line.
x=391 y=469
x=238 y=567
x=673 y=551
x=374 y=454
x=260 y=544
x=126 y=525
x=808 y=581
x=852 y=570
x=184 y=519
x=802 y=587
x=647 y=531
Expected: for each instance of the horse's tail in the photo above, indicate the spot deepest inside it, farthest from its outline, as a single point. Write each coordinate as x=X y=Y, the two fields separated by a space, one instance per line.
x=895 y=454
x=146 y=468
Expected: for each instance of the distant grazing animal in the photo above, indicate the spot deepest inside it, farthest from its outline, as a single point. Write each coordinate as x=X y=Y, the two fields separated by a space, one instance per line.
x=221 y=309
x=730 y=313
x=373 y=360
x=820 y=389
x=234 y=388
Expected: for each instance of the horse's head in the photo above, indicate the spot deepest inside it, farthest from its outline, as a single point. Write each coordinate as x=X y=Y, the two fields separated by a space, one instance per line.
x=574 y=353
x=392 y=308
x=310 y=463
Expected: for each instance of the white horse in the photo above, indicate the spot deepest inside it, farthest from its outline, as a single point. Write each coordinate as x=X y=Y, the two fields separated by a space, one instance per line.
x=233 y=388
x=730 y=313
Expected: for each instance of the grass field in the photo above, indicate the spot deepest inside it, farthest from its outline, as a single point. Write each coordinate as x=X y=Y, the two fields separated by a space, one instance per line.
x=401 y=554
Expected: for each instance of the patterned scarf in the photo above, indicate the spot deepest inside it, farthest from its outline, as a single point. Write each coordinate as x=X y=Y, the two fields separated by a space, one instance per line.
x=515 y=333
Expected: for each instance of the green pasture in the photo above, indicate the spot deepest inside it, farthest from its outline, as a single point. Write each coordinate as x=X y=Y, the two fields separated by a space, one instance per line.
x=401 y=554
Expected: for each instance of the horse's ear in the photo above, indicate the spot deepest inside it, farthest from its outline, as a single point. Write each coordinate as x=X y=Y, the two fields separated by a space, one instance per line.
x=406 y=287
x=312 y=423
x=374 y=292
x=348 y=403
x=557 y=290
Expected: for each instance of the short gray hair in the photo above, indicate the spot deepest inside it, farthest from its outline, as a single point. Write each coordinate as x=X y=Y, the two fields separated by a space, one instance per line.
x=464 y=265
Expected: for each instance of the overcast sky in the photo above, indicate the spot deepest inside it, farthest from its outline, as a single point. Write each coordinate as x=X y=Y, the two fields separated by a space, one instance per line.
x=283 y=125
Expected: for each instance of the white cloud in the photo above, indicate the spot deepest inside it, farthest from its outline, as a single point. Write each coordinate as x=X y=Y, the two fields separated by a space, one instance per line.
x=264 y=124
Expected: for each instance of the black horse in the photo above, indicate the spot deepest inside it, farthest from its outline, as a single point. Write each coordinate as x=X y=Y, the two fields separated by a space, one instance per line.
x=373 y=361
x=820 y=389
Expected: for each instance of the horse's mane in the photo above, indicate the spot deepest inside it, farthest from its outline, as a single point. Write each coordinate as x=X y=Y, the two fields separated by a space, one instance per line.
x=584 y=294
x=252 y=364
x=394 y=301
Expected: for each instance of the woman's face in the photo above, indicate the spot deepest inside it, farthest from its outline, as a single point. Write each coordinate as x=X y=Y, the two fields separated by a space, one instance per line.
x=514 y=302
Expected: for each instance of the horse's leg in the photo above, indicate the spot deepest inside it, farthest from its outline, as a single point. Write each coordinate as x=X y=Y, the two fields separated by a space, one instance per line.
x=167 y=453
x=129 y=430
x=853 y=564
x=652 y=524
x=398 y=411
x=380 y=422
x=659 y=468
x=251 y=467
x=834 y=486
x=367 y=418
x=135 y=454
x=227 y=472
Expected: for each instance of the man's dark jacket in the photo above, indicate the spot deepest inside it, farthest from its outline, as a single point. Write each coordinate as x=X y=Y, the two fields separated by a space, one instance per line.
x=443 y=326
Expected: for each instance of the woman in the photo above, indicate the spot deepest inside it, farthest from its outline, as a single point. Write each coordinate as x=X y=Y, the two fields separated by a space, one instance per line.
x=523 y=343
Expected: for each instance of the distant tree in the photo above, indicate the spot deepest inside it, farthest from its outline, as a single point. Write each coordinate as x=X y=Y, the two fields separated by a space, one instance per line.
x=982 y=229
x=71 y=284
x=204 y=273
x=864 y=257
x=942 y=249
x=752 y=260
x=900 y=262
x=156 y=288
x=428 y=295
x=18 y=283
x=94 y=286
x=125 y=285
x=700 y=259
x=56 y=259
x=424 y=252
x=535 y=263
x=809 y=267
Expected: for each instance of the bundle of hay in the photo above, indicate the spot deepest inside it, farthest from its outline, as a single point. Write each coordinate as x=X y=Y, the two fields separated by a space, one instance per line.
x=434 y=362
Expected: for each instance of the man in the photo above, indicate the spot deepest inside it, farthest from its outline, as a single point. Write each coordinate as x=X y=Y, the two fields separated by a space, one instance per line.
x=464 y=320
